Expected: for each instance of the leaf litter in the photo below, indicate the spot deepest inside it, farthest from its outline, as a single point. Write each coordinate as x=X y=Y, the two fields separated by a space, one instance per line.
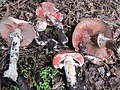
x=92 y=77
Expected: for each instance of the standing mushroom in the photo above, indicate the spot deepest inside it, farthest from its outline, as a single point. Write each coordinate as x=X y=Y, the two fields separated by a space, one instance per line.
x=68 y=60
x=47 y=11
x=17 y=33
x=87 y=32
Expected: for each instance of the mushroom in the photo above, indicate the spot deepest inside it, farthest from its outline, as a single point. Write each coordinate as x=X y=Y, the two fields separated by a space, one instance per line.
x=69 y=59
x=17 y=33
x=47 y=11
x=87 y=32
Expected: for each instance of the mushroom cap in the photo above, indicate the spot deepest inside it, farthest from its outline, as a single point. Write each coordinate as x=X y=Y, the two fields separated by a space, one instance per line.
x=48 y=9
x=8 y=26
x=85 y=30
x=89 y=27
x=61 y=56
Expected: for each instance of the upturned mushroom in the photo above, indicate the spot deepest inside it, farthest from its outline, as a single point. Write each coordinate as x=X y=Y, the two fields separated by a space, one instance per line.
x=89 y=33
x=48 y=10
x=69 y=59
x=47 y=13
x=17 y=33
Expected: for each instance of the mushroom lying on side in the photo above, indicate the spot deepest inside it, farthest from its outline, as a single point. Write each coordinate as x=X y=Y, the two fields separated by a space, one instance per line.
x=68 y=60
x=47 y=11
x=17 y=33
x=87 y=32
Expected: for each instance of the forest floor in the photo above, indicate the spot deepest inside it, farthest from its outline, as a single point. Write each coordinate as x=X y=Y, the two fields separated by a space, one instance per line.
x=35 y=68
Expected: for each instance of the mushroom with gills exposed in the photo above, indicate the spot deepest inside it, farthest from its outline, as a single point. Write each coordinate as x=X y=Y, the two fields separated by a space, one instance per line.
x=87 y=32
x=69 y=59
x=47 y=11
x=17 y=33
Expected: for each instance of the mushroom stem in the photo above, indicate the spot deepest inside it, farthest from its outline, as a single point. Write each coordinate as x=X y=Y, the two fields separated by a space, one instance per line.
x=69 y=66
x=14 y=52
x=108 y=43
x=102 y=41
x=14 y=55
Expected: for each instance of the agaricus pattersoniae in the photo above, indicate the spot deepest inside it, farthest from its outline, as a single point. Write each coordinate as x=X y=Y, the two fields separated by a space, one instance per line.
x=17 y=33
x=69 y=59
x=92 y=33
x=47 y=10
x=48 y=14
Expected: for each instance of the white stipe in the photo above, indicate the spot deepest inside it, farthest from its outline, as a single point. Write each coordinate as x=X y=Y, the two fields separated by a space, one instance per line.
x=14 y=55
x=102 y=40
x=69 y=65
